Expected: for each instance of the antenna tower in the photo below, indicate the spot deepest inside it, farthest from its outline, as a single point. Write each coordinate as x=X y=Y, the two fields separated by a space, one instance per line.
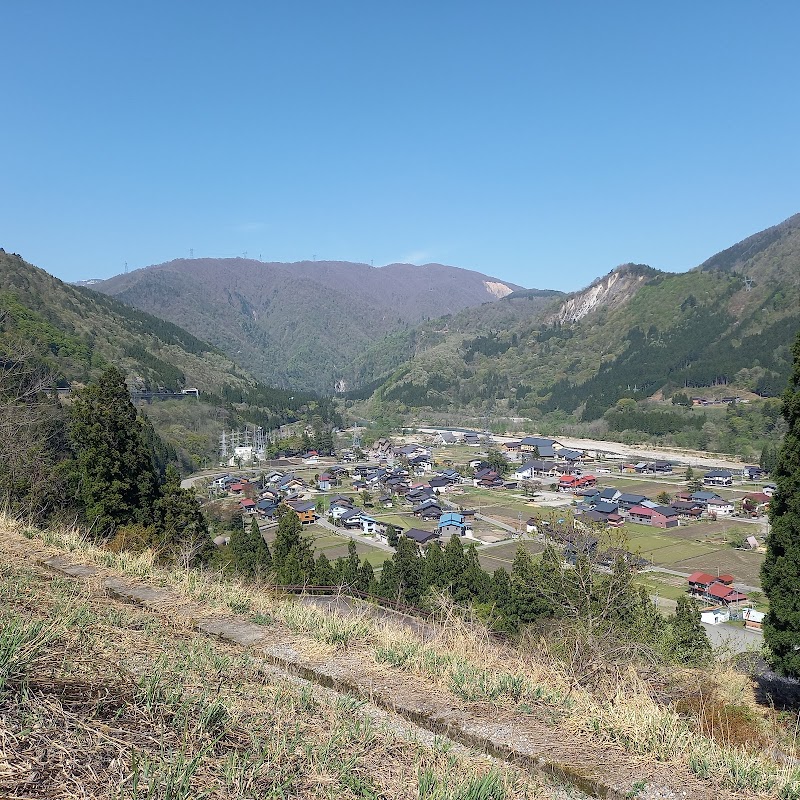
x=748 y=284
x=126 y=267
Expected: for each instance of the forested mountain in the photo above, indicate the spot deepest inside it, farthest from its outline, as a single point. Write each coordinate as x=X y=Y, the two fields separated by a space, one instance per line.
x=634 y=332
x=300 y=325
x=70 y=335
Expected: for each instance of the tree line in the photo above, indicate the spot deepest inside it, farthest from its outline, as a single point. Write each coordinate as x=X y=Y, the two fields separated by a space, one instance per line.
x=598 y=605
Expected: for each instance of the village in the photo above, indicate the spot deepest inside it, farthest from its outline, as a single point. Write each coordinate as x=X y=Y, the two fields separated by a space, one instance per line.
x=685 y=532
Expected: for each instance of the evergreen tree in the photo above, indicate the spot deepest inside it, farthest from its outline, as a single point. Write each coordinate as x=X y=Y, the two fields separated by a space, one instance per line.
x=454 y=566
x=350 y=566
x=392 y=537
x=501 y=595
x=323 y=572
x=389 y=583
x=769 y=458
x=366 y=578
x=250 y=554
x=118 y=480
x=434 y=566
x=476 y=584
x=180 y=527
x=410 y=570
x=690 y=644
x=780 y=572
x=289 y=541
x=528 y=601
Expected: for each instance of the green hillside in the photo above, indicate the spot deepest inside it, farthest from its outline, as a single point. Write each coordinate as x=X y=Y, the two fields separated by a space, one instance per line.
x=73 y=334
x=637 y=331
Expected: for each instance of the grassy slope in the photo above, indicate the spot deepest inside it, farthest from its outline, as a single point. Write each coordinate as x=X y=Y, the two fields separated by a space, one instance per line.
x=178 y=701
x=124 y=703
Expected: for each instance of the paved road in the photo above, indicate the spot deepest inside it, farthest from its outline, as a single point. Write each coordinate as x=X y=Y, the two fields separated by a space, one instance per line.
x=736 y=638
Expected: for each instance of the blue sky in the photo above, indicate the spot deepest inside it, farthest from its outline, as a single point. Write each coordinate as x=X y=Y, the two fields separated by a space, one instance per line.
x=543 y=143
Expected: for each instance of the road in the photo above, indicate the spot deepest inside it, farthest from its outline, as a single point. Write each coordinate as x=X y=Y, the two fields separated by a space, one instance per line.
x=734 y=637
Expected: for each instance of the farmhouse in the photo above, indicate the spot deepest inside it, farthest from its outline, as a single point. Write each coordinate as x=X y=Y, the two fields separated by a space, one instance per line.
x=545 y=447
x=720 y=590
x=718 y=477
x=451 y=523
x=658 y=517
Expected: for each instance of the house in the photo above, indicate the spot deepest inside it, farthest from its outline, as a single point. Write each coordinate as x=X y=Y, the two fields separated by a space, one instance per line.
x=531 y=526
x=658 y=517
x=627 y=501
x=725 y=594
x=266 y=508
x=248 y=506
x=451 y=523
x=440 y=484
x=752 y=473
x=719 y=507
x=716 y=590
x=702 y=497
x=699 y=582
x=537 y=469
x=753 y=620
x=513 y=450
x=371 y=527
x=573 y=456
x=351 y=518
x=428 y=509
x=756 y=501
x=386 y=501
x=445 y=438
x=769 y=489
x=471 y=439
x=687 y=509
x=421 y=537
x=325 y=482
x=718 y=477
x=715 y=616
x=613 y=519
x=306 y=511
x=546 y=448
x=572 y=482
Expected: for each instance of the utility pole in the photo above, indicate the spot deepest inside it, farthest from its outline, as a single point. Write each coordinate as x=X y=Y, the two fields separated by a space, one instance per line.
x=191 y=252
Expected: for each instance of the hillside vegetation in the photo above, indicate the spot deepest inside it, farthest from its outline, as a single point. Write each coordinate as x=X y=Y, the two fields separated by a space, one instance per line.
x=300 y=325
x=53 y=334
x=632 y=334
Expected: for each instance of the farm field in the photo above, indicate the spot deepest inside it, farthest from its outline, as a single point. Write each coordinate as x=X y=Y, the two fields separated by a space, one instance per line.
x=502 y=555
x=335 y=546
x=674 y=551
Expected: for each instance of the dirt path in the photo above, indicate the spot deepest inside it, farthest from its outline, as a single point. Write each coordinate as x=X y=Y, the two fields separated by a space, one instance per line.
x=533 y=741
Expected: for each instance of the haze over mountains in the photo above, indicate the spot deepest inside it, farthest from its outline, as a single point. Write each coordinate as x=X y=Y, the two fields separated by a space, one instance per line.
x=305 y=324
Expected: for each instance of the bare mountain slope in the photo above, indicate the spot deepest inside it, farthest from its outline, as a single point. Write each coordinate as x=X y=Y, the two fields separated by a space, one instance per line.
x=300 y=324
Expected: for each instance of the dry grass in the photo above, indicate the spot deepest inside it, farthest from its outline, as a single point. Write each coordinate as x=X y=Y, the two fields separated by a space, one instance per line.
x=108 y=702
x=720 y=735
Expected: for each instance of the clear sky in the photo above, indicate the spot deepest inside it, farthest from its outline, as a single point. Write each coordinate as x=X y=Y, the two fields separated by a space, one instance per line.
x=544 y=143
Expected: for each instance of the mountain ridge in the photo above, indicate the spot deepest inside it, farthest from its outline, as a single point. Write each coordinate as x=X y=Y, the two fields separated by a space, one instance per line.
x=630 y=333
x=300 y=324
